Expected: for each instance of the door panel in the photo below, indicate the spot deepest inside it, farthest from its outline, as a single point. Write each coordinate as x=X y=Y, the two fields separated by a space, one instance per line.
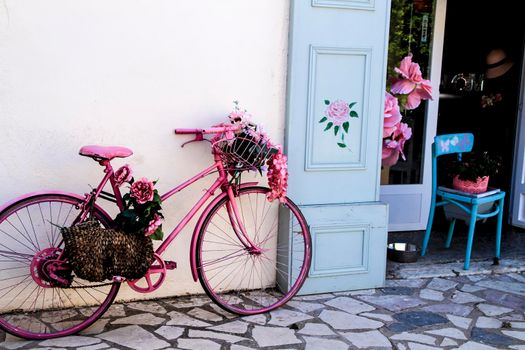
x=337 y=57
x=518 y=190
x=408 y=193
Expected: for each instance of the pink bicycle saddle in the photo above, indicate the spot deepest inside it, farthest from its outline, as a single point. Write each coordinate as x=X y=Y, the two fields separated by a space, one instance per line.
x=105 y=152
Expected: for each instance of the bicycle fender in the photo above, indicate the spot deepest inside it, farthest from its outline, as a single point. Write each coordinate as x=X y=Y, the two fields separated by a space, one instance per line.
x=43 y=193
x=198 y=226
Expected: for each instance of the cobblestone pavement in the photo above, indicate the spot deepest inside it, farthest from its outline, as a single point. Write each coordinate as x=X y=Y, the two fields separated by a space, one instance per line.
x=462 y=312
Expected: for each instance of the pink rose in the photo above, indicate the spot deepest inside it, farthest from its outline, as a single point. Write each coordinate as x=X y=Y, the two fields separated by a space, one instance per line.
x=392 y=115
x=337 y=112
x=123 y=174
x=142 y=190
x=153 y=225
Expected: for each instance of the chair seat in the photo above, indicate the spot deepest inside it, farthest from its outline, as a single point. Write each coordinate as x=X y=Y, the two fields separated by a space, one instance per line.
x=105 y=152
x=466 y=198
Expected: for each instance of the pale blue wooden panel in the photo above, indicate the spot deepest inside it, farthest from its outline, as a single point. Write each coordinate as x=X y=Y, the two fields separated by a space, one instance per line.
x=349 y=247
x=339 y=249
x=337 y=74
x=345 y=4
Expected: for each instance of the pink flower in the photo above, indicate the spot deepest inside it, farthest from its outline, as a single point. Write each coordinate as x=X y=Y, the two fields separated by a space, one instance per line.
x=238 y=117
x=142 y=190
x=392 y=115
x=390 y=153
x=153 y=225
x=337 y=112
x=412 y=83
x=123 y=174
x=277 y=176
x=393 y=148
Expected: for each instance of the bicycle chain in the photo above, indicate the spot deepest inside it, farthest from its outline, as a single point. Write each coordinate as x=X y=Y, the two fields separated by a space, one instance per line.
x=90 y=286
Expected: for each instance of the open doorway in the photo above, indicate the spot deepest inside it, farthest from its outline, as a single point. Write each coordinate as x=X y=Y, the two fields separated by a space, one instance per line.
x=475 y=96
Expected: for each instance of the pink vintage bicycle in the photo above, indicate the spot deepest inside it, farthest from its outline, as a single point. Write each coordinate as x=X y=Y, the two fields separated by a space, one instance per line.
x=247 y=260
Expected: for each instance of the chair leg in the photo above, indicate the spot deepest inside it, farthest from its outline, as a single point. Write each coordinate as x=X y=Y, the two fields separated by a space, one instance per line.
x=450 y=233
x=429 y=226
x=498 y=228
x=471 y=227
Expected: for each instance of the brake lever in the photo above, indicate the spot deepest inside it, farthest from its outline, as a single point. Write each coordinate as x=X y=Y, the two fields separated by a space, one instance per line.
x=198 y=137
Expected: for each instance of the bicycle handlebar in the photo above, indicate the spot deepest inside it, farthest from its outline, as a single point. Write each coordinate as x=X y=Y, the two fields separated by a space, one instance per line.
x=212 y=130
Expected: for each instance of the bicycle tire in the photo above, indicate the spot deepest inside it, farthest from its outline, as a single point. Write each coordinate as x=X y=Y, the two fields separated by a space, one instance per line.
x=272 y=280
x=31 y=306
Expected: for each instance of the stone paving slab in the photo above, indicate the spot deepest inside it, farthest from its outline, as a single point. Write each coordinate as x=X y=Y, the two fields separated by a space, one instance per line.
x=447 y=312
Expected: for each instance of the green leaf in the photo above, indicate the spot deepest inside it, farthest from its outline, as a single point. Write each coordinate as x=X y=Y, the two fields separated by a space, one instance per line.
x=352 y=104
x=342 y=145
x=342 y=136
x=346 y=125
x=328 y=126
x=326 y=102
x=323 y=119
x=158 y=235
x=336 y=130
x=353 y=114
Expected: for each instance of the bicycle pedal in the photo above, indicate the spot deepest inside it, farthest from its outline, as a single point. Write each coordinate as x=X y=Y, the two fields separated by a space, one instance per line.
x=119 y=279
x=170 y=265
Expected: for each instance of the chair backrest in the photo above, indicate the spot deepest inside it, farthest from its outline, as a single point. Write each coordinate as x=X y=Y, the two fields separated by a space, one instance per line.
x=452 y=143
x=448 y=144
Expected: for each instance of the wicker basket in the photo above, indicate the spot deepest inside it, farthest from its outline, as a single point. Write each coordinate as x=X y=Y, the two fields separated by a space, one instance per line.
x=243 y=152
x=97 y=254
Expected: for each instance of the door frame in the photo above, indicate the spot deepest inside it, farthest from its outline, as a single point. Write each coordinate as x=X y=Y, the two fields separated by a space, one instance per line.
x=518 y=163
x=393 y=194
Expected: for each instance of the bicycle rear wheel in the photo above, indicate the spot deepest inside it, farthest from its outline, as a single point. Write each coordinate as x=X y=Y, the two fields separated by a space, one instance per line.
x=246 y=281
x=34 y=304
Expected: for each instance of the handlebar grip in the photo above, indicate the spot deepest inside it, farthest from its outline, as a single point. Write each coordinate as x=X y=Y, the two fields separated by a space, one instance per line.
x=188 y=131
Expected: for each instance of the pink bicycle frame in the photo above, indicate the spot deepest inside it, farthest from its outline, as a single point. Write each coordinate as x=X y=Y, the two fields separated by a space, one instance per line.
x=221 y=183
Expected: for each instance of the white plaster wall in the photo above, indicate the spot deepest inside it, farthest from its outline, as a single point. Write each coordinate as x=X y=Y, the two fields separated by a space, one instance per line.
x=127 y=73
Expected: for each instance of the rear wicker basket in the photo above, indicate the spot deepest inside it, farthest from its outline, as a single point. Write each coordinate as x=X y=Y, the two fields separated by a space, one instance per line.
x=97 y=254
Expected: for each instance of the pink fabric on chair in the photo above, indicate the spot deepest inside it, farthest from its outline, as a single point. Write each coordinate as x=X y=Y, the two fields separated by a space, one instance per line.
x=105 y=152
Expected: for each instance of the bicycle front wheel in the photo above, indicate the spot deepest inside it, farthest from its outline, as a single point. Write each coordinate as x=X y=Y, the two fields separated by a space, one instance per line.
x=248 y=281
x=40 y=298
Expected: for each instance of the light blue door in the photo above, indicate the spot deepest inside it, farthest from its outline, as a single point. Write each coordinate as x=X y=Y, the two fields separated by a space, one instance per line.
x=336 y=80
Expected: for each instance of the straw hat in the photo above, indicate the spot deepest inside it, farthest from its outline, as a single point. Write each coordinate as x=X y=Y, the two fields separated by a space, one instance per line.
x=497 y=64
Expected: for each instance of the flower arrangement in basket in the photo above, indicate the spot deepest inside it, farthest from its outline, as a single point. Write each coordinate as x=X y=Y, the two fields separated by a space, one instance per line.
x=248 y=149
x=126 y=250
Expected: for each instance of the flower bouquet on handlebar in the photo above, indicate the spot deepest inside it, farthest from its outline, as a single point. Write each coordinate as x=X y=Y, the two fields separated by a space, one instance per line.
x=249 y=148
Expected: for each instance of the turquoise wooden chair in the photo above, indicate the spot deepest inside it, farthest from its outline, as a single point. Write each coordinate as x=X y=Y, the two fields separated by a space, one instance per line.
x=461 y=143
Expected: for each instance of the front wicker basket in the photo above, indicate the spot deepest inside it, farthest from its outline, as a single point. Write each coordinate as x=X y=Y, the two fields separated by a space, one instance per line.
x=243 y=152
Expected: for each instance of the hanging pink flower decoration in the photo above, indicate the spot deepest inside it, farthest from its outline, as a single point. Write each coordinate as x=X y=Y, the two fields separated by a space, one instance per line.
x=393 y=147
x=392 y=115
x=411 y=86
x=277 y=176
x=142 y=190
x=123 y=174
x=390 y=153
x=411 y=83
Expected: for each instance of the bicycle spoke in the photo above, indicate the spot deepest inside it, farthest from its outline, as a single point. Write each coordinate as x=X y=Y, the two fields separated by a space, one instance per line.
x=30 y=304
x=241 y=281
